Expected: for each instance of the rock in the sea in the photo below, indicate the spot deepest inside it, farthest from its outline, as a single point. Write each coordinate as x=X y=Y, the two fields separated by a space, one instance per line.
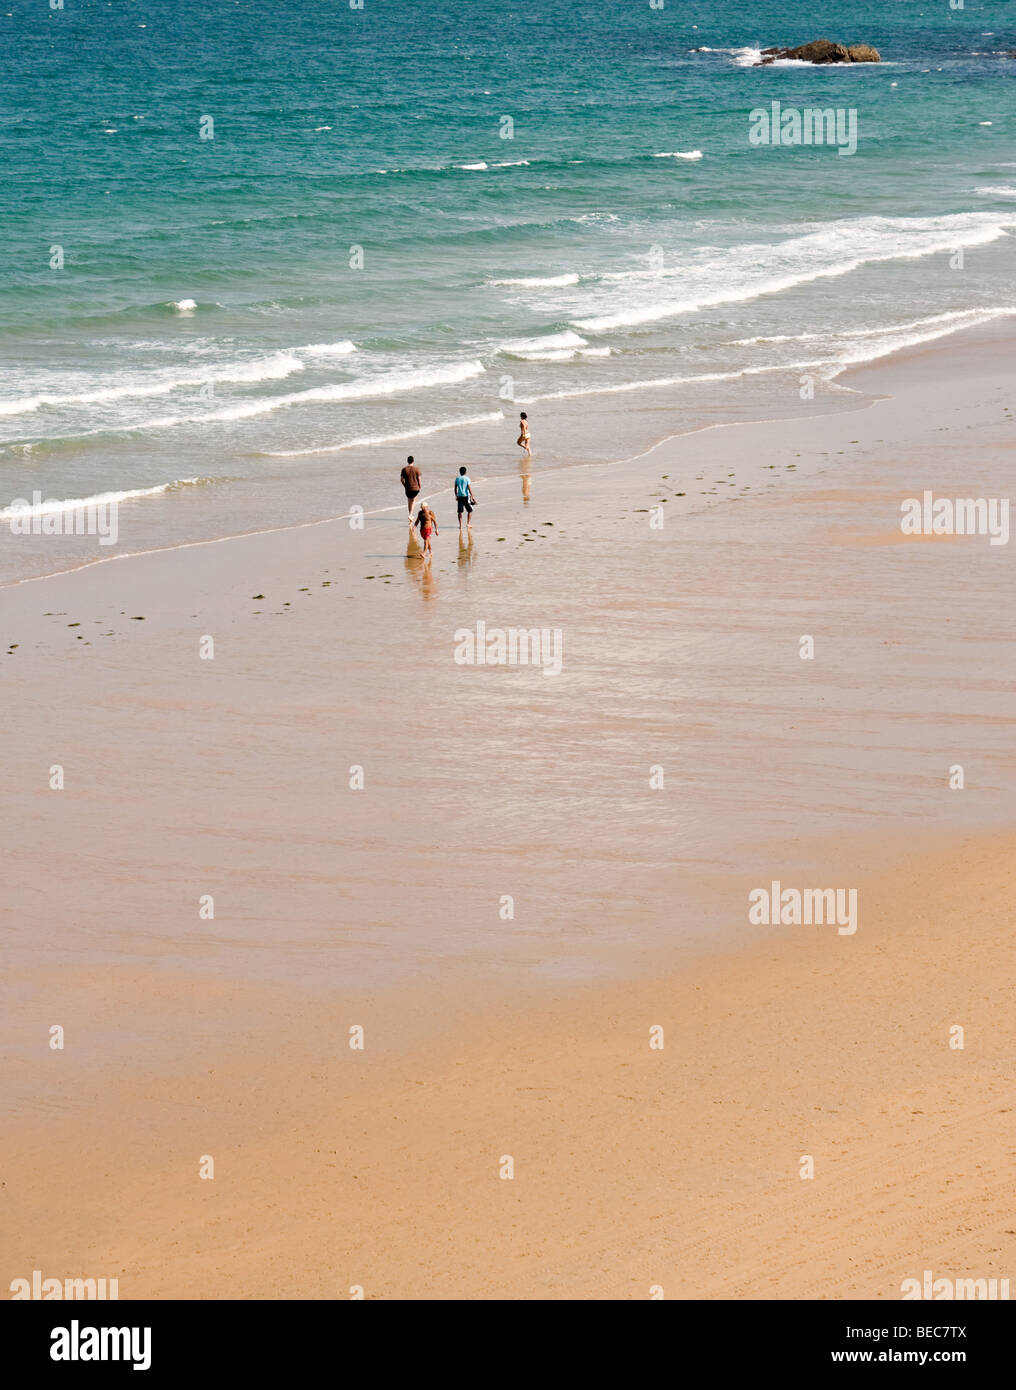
x=823 y=51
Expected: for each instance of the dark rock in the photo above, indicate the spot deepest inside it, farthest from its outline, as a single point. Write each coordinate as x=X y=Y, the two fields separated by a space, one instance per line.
x=822 y=51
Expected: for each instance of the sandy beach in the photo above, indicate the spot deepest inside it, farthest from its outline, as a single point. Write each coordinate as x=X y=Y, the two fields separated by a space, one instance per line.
x=535 y=873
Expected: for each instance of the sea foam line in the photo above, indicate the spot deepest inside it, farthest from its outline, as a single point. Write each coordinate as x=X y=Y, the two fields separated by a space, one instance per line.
x=386 y=385
x=538 y=282
x=339 y=349
x=521 y=346
x=945 y=234
x=370 y=440
x=973 y=317
x=69 y=504
x=940 y=326
x=654 y=383
x=275 y=367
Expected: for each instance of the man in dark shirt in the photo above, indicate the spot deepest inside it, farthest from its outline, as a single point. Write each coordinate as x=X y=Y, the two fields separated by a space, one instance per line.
x=411 y=483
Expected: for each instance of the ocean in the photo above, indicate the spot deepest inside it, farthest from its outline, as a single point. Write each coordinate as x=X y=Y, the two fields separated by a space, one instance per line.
x=256 y=254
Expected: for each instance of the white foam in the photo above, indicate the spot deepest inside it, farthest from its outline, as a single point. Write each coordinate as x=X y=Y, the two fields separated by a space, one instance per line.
x=368 y=441
x=1003 y=191
x=750 y=57
x=71 y=504
x=481 y=165
x=746 y=272
x=773 y=338
x=949 y=322
x=881 y=342
x=184 y=306
x=394 y=383
x=654 y=383
x=273 y=368
x=557 y=355
x=679 y=154
x=522 y=346
x=538 y=282
x=339 y=349
x=563 y=354
x=956 y=317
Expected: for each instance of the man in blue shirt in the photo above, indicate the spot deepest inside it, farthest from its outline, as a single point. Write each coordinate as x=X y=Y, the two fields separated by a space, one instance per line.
x=464 y=498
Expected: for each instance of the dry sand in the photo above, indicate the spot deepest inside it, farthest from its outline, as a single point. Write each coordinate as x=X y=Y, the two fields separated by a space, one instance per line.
x=530 y=1038
x=633 y=1167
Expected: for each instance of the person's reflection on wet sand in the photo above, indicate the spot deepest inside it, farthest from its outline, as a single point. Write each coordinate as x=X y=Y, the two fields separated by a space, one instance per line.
x=421 y=574
x=467 y=549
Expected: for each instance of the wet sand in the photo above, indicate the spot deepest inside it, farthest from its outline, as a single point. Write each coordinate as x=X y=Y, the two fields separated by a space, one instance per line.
x=384 y=907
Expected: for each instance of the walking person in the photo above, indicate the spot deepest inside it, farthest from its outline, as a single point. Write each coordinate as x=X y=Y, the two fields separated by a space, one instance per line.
x=464 y=498
x=523 y=439
x=427 y=522
x=411 y=483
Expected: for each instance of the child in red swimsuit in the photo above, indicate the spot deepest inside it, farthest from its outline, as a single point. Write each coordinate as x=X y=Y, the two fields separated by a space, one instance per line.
x=427 y=523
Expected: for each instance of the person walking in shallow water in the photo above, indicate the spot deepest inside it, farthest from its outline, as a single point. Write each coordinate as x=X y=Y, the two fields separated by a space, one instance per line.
x=523 y=439
x=411 y=484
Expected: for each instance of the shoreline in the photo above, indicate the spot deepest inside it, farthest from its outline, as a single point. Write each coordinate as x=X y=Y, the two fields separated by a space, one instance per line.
x=998 y=321
x=230 y=1036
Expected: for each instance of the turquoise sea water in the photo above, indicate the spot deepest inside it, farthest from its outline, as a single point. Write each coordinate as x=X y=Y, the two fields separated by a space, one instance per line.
x=210 y=318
